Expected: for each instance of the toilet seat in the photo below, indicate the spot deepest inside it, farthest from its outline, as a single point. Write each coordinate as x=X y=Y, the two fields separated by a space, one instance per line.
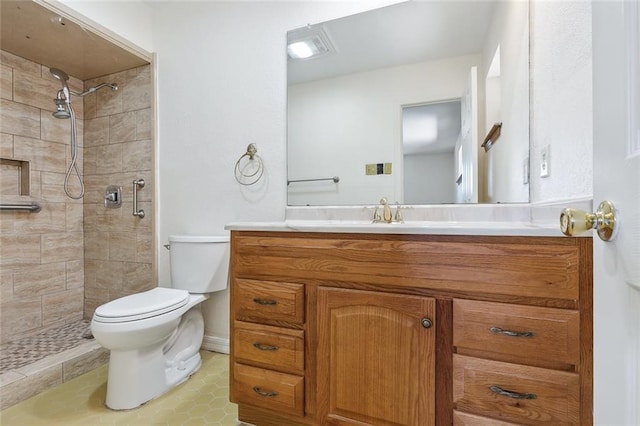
x=143 y=305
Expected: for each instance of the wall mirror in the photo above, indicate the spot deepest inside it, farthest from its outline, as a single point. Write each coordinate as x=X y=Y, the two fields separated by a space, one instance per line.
x=420 y=102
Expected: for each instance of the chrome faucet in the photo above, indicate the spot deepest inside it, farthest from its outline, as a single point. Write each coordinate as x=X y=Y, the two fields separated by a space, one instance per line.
x=387 y=216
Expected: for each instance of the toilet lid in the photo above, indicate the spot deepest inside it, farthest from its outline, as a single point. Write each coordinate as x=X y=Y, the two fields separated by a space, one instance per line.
x=143 y=305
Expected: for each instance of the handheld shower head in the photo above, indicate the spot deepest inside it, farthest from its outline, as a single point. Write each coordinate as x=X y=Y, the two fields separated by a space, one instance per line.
x=59 y=74
x=63 y=77
x=63 y=98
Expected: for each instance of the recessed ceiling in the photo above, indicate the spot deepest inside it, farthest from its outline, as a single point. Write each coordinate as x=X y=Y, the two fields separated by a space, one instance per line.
x=35 y=33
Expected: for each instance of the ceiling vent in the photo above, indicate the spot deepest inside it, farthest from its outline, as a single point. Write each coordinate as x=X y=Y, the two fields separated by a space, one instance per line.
x=308 y=42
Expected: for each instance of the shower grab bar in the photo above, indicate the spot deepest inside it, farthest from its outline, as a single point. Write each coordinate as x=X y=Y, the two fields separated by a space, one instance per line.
x=32 y=207
x=335 y=179
x=138 y=183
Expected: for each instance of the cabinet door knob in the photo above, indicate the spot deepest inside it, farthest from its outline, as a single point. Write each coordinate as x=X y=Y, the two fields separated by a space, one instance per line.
x=426 y=323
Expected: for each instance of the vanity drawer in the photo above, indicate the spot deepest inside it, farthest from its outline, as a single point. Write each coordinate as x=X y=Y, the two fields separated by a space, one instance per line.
x=515 y=393
x=269 y=389
x=517 y=332
x=269 y=300
x=271 y=347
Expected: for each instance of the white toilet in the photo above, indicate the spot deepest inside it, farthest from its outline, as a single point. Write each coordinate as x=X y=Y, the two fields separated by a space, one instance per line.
x=155 y=336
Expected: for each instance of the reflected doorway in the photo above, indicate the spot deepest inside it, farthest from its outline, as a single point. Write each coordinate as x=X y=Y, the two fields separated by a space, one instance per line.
x=430 y=133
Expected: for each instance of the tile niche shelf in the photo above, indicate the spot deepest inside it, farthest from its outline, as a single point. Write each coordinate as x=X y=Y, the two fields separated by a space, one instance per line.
x=23 y=182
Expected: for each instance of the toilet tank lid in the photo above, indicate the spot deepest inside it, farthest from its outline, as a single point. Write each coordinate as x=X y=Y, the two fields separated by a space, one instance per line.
x=198 y=238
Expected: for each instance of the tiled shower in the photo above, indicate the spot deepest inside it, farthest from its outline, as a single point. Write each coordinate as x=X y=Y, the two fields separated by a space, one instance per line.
x=59 y=264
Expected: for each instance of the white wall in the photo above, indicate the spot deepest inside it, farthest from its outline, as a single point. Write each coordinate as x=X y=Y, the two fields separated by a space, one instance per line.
x=222 y=84
x=561 y=100
x=359 y=116
x=429 y=178
x=509 y=30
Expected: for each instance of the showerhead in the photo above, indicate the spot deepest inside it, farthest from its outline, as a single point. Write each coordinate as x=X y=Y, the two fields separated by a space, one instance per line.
x=59 y=74
x=62 y=111
x=63 y=77
x=63 y=98
x=63 y=114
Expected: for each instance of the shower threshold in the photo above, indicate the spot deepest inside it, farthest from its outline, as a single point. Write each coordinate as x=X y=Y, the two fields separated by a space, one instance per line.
x=33 y=364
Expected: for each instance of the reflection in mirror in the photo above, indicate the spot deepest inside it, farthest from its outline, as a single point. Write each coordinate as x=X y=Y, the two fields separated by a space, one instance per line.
x=354 y=83
x=429 y=136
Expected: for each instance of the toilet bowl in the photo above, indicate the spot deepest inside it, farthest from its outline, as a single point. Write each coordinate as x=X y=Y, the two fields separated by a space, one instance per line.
x=155 y=336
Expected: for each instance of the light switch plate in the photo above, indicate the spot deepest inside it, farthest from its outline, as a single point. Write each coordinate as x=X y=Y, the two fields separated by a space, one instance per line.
x=370 y=169
x=545 y=161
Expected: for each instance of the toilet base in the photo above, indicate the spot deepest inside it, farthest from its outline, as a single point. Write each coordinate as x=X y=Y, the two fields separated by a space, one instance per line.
x=138 y=376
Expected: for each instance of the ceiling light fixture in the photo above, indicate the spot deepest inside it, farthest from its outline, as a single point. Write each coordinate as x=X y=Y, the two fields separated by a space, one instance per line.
x=308 y=42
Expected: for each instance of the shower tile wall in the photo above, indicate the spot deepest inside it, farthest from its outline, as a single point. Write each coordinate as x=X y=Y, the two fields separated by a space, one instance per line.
x=41 y=254
x=58 y=265
x=119 y=247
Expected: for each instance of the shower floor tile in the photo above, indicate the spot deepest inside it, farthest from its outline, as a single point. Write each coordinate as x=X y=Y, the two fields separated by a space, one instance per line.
x=22 y=352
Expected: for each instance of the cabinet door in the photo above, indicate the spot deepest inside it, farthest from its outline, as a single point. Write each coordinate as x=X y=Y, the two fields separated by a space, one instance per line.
x=376 y=358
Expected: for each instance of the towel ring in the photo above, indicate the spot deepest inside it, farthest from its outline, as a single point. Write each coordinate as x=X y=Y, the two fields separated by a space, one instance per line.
x=249 y=171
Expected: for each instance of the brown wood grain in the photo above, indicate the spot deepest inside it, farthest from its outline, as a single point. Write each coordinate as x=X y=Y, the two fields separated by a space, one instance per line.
x=269 y=300
x=521 y=280
x=265 y=388
x=378 y=360
x=508 y=265
x=278 y=348
x=555 y=333
x=557 y=393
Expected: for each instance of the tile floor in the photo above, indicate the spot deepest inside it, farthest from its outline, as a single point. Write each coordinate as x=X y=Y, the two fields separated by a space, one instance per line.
x=201 y=400
x=25 y=351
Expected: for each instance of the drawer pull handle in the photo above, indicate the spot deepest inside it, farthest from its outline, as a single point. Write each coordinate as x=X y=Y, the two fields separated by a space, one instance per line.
x=266 y=394
x=498 y=330
x=265 y=301
x=265 y=347
x=514 y=395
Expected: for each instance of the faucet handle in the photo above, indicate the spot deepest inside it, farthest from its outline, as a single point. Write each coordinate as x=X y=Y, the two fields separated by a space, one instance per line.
x=376 y=216
x=398 y=216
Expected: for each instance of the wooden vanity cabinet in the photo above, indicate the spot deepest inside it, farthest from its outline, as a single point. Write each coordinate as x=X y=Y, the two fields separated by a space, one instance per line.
x=377 y=358
x=377 y=329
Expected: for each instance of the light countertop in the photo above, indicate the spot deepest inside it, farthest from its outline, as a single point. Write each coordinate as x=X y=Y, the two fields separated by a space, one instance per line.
x=495 y=220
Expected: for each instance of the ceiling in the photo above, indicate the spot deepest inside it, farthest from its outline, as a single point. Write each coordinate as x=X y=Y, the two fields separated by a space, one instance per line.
x=34 y=32
x=404 y=33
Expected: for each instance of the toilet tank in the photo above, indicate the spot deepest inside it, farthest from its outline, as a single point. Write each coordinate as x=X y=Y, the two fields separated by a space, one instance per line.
x=199 y=264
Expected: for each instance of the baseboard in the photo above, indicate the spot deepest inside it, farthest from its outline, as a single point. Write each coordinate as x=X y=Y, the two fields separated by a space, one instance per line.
x=215 y=344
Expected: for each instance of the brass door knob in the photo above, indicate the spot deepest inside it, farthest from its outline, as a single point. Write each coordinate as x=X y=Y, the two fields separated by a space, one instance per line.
x=574 y=222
